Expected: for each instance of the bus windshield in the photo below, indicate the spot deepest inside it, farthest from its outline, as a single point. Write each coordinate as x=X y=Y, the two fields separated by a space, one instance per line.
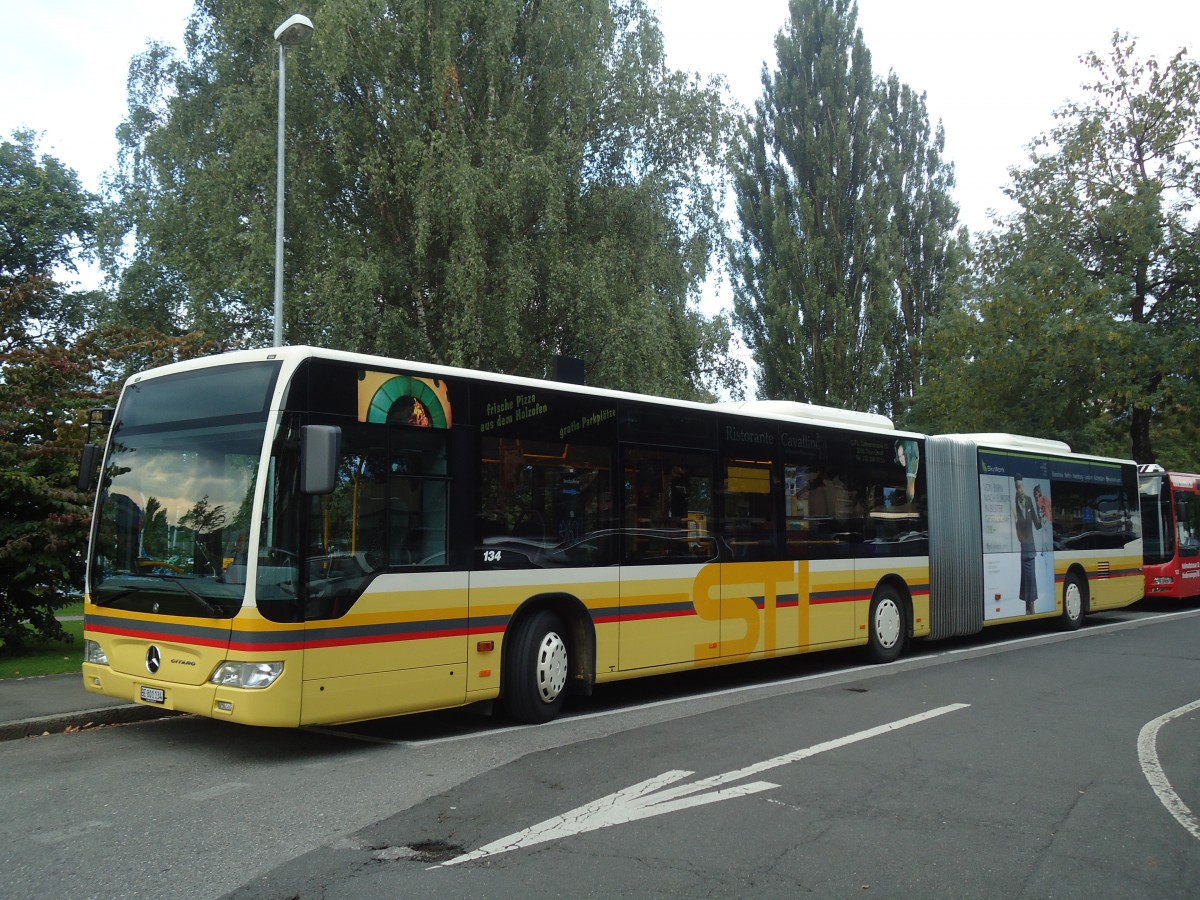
x=1157 y=534
x=174 y=511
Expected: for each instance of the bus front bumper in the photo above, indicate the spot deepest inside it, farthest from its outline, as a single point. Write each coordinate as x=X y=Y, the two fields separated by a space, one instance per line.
x=276 y=706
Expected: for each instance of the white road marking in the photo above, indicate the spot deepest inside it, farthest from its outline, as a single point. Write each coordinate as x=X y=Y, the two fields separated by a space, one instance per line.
x=1152 y=769
x=653 y=797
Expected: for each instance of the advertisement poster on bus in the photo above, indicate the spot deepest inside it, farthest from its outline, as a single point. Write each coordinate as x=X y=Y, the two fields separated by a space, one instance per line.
x=1018 y=535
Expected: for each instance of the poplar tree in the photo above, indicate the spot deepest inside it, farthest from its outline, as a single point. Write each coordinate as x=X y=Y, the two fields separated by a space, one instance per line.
x=845 y=241
x=925 y=252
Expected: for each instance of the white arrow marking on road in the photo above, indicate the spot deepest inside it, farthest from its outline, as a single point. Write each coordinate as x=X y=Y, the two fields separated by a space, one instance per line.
x=652 y=797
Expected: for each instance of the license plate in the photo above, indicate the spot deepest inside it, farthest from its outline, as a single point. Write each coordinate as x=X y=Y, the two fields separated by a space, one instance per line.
x=153 y=695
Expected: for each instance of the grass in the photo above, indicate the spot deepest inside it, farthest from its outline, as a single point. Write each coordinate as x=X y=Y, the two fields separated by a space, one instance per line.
x=50 y=659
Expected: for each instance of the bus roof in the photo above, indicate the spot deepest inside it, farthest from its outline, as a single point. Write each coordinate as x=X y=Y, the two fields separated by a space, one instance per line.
x=779 y=410
x=791 y=409
x=1027 y=444
x=1004 y=441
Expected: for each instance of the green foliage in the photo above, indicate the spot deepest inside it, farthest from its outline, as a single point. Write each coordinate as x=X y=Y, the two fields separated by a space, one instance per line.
x=1024 y=352
x=46 y=223
x=44 y=519
x=1082 y=320
x=52 y=371
x=44 y=216
x=45 y=213
x=846 y=243
x=472 y=182
x=925 y=253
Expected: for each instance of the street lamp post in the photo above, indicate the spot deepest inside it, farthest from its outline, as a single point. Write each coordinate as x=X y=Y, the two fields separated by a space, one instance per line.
x=295 y=30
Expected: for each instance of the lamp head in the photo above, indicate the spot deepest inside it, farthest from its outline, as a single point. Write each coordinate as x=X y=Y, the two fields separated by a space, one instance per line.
x=295 y=30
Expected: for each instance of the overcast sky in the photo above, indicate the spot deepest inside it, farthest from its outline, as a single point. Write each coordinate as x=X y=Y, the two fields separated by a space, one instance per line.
x=993 y=70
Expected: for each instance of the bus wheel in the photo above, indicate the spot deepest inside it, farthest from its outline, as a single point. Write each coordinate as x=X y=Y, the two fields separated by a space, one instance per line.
x=886 y=625
x=535 y=677
x=1072 y=614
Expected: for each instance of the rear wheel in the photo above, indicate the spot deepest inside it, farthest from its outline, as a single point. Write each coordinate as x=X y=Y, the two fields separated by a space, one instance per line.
x=886 y=625
x=536 y=670
x=1074 y=603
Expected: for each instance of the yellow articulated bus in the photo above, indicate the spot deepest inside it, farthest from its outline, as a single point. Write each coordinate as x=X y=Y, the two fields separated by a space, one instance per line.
x=296 y=536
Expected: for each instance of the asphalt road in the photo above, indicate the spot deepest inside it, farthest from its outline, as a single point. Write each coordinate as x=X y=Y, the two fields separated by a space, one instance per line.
x=1027 y=763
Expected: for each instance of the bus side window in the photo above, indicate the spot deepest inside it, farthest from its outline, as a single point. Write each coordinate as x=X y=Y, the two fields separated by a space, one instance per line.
x=820 y=512
x=891 y=484
x=668 y=497
x=347 y=528
x=544 y=504
x=749 y=509
x=418 y=496
x=1187 y=512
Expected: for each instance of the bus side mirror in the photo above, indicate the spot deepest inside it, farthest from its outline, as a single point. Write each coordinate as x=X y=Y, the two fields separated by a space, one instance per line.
x=87 y=466
x=320 y=447
x=100 y=417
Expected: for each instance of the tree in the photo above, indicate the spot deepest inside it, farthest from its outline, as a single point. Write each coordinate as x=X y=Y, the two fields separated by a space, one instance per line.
x=845 y=245
x=47 y=223
x=1024 y=352
x=52 y=369
x=475 y=182
x=48 y=389
x=1102 y=260
x=926 y=254
x=43 y=520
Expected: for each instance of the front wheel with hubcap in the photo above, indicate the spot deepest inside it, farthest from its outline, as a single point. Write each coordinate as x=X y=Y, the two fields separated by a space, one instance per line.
x=1073 y=603
x=886 y=625
x=536 y=670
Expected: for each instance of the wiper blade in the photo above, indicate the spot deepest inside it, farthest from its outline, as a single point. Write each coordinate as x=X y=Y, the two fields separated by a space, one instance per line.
x=114 y=597
x=208 y=604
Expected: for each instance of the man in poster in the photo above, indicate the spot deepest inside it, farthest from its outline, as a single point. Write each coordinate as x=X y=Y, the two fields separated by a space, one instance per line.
x=1028 y=518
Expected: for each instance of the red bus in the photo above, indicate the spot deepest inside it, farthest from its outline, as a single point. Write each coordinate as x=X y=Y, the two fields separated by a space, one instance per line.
x=1171 y=532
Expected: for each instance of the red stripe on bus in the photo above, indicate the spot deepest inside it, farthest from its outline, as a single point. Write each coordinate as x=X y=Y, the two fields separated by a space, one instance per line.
x=372 y=639
x=844 y=598
x=670 y=614
x=159 y=636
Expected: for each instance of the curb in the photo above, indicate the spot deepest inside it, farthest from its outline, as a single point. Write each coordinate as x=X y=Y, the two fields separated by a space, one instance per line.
x=56 y=724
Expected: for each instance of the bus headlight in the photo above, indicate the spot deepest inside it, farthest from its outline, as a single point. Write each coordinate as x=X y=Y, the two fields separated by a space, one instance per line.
x=94 y=653
x=247 y=674
x=1161 y=580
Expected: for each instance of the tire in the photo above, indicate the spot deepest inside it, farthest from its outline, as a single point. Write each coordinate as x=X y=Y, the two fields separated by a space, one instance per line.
x=1074 y=603
x=886 y=625
x=537 y=669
